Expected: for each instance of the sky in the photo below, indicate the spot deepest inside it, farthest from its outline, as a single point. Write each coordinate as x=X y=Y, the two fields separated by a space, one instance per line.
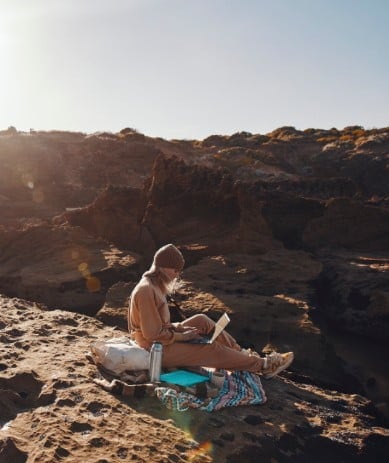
x=187 y=69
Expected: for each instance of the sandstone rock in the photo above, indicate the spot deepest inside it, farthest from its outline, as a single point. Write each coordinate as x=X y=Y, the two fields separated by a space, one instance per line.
x=82 y=419
x=379 y=304
x=115 y=216
x=181 y=196
x=351 y=293
x=10 y=452
x=61 y=267
x=115 y=308
x=316 y=193
x=267 y=298
x=350 y=224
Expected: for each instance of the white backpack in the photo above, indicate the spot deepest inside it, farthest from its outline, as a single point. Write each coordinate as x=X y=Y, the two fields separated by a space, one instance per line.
x=118 y=355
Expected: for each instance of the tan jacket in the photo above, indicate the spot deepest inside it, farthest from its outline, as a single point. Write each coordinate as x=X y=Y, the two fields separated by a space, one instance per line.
x=149 y=316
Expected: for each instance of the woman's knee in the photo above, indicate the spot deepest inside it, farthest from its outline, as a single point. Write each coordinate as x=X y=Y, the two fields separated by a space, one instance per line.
x=200 y=321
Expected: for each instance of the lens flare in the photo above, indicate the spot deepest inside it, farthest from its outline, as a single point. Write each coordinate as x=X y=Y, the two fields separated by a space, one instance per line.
x=203 y=449
x=84 y=270
x=93 y=284
x=27 y=180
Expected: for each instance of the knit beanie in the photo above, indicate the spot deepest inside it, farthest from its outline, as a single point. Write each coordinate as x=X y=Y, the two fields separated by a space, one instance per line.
x=169 y=257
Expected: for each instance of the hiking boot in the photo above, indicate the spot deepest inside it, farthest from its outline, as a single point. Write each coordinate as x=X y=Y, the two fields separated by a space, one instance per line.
x=274 y=363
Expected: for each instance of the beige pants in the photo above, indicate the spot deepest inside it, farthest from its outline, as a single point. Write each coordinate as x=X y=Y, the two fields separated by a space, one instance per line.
x=224 y=353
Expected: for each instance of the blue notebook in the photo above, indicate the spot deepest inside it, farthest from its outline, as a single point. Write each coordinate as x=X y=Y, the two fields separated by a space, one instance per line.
x=183 y=378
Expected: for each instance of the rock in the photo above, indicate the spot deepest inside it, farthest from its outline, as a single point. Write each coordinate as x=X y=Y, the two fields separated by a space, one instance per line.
x=115 y=216
x=229 y=436
x=349 y=224
x=62 y=267
x=10 y=452
x=115 y=308
x=82 y=413
x=351 y=293
x=287 y=232
x=288 y=215
x=268 y=306
x=181 y=196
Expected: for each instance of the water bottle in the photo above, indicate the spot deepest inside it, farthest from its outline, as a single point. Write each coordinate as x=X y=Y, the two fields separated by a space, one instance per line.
x=155 y=362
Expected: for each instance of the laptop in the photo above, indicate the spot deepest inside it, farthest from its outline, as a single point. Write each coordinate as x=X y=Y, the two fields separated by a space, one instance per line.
x=223 y=321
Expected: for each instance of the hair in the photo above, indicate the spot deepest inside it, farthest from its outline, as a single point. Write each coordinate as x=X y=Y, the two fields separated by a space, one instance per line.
x=159 y=278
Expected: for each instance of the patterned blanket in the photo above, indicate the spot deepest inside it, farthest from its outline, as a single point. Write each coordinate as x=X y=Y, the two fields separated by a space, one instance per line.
x=224 y=389
x=239 y=388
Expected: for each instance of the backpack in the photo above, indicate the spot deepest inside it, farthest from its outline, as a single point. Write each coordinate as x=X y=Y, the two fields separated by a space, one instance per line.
x=117 y=355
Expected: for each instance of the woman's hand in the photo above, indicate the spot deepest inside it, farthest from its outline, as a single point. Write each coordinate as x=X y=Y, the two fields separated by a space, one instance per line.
x=178 y=328
x=190 y=333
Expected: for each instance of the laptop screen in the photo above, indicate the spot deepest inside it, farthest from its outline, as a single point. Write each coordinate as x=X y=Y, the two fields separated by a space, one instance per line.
x=223 y=321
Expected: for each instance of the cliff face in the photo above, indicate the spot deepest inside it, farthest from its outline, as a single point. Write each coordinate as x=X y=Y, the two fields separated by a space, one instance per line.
x=64 y=169
x=288 y=232
x=207 y=213
x=51 y=171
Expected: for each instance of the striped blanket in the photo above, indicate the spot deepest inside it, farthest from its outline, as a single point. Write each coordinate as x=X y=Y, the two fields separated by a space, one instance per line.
x=239 y=388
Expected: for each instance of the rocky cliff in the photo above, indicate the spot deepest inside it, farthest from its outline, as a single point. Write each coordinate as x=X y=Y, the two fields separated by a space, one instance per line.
x=287 y=232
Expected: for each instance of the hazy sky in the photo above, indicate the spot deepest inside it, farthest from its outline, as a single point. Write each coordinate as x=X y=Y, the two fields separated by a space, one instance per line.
x=192 y=68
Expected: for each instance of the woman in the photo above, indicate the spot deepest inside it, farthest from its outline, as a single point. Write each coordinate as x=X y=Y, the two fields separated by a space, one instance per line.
x=149 y=321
